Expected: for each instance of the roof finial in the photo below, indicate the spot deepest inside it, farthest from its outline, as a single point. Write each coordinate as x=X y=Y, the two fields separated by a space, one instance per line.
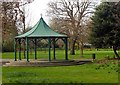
x=41 y=14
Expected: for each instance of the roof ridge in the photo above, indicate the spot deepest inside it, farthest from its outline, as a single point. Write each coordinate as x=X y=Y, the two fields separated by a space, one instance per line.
x=49 y=27
x=36 y=27
x=41 y=29
x=45 y=24
x=27 y=31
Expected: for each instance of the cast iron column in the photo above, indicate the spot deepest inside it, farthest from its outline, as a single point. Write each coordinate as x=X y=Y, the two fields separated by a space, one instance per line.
x=27 y=49
x=15 y=45
x=24 y=48
x=66 y=49
x=54 y=48
x=35 y=49
x=19 y=49
x=49 y=44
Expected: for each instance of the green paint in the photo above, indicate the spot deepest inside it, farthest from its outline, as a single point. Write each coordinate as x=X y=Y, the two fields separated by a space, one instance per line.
x=19 y=49
x=54 y=48
x=66 y=49
x=35 y=44
x=49 y=47
x=41 y=29
x=27 y=49
x=15 y=50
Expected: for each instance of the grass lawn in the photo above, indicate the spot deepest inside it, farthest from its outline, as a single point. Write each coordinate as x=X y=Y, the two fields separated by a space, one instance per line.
x=60 y=54
x=87 y=73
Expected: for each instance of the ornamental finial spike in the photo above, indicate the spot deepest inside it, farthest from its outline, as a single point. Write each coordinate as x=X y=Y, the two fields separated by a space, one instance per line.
x=41 y=14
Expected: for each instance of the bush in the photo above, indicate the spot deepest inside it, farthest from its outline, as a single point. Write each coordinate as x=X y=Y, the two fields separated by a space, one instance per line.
x=8 y=46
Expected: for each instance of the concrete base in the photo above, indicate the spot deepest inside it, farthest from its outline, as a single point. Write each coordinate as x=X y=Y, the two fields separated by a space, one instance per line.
x=33 y=62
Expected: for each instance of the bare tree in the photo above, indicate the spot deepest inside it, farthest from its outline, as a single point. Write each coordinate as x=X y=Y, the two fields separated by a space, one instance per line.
x=84 y=33
x=0 y=27
x=22 y=15
x=11 y=15
x=70 y=16
x=9 y=29
x=21 y=20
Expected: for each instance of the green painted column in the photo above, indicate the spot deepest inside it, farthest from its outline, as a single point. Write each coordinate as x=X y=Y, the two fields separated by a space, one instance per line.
x=66 y=48
x=49 y=44
x=15 y=45
x=24 y=48
x=54 y=48
x=35 y=48
x=19 y=49
x=27 y=50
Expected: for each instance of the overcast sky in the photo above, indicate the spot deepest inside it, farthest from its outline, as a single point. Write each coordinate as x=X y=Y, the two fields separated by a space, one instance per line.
x=34 y=11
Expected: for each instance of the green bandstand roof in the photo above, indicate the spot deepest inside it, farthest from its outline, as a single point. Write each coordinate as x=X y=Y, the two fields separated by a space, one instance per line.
x=41 y=30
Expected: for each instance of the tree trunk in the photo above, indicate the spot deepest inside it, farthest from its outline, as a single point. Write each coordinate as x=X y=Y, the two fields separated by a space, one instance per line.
x=72 y=51
x=25 y=40
x=24 y=24
x=115 y=51
x=81 y=50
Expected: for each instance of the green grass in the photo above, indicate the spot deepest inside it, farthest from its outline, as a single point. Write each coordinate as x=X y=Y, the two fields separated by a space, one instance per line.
x=60 y=54
x=87 y=73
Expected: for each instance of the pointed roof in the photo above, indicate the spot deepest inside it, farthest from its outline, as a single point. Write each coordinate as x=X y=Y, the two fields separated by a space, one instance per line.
x=41 y=29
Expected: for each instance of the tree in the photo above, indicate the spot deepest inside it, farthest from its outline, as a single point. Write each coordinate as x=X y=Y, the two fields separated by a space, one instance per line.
x=106 y=26
x=22 y=15
x=1 y=26
x=11 y=15
x=69 y=17
x=9 y=30
x=21 y=20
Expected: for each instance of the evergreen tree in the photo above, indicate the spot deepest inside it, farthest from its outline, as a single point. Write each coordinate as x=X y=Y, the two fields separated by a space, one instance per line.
x=105 y=26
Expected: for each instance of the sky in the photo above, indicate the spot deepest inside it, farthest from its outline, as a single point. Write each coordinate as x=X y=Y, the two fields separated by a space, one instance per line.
x=34 y=11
